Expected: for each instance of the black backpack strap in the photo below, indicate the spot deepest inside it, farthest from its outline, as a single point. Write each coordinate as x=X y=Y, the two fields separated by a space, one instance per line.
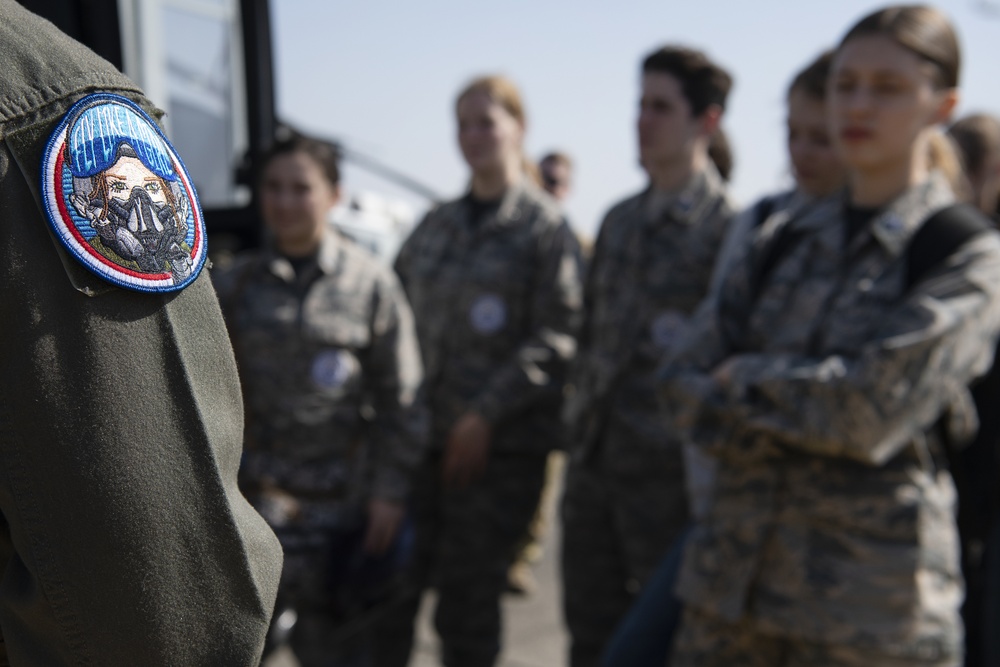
x=941 y=235
x=763 y=209
x=776 y=248
x=762 y=258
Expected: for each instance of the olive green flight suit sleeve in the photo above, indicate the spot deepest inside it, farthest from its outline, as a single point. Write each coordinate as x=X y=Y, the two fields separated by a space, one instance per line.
x=124 y=540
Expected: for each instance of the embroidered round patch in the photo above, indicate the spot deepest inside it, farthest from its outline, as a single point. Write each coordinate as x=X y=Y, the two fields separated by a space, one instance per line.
x=331 y=369
x=665 y=328
x=119 y=198
x=488 y=314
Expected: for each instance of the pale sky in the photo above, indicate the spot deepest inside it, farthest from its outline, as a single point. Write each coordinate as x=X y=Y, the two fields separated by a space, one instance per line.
x=382 y=77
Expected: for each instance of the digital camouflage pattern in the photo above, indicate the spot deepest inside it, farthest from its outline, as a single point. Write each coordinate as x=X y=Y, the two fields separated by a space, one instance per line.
x=831 y=522
x=651 y=268
x=625 y=500
x=331 y=372
x=699 y=467
x=708 y=641
x=497 y=302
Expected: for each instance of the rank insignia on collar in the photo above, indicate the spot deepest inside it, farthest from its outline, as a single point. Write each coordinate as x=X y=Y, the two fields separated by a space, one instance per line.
x=120 y=200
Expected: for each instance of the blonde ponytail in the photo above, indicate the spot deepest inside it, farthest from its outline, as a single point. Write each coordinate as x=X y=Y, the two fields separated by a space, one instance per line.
x=942 y=156
x=531 y=171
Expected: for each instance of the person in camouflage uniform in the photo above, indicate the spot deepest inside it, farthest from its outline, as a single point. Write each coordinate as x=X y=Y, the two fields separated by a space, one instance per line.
x=330 y=366
x=645 y=635
x=494 y=279
x=625 y=498
x=819 y=387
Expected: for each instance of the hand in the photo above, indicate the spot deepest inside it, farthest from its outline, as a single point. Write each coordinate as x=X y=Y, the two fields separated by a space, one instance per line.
x=82 y=206
x=466 y=451
x=384 y=518
x=723 y=373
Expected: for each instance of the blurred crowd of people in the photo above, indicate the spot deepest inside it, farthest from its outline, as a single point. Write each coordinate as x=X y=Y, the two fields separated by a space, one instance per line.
x=769 y=416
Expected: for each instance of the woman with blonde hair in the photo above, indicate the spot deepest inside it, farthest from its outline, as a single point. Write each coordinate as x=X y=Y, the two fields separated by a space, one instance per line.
x=494 y=281
x=833 y=378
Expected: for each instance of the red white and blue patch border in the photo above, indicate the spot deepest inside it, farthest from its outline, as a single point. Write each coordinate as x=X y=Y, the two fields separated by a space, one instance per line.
x=73 y=229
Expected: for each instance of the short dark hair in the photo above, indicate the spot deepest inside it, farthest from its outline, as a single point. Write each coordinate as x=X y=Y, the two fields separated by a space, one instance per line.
x=558 y=157
x=703 y=82
x=812 y=80
x=325 y=153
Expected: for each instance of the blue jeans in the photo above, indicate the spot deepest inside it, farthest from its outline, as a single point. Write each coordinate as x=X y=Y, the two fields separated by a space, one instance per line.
x=646 y=634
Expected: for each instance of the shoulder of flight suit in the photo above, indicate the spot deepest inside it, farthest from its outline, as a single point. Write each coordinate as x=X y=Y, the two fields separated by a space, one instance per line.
x=43 y=66
x=125 y=539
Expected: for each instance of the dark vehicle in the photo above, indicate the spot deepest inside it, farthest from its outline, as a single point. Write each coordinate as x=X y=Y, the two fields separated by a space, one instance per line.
x=208 y=64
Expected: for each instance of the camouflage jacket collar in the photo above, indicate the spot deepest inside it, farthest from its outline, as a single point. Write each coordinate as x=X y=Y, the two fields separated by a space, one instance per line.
x=687 y=205
x=327 y=259
x=510 y=210
x=894 y=226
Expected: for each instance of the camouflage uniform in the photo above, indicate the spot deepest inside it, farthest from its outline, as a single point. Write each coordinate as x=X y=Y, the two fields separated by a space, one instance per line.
x=699 y=467
x=496 y=301
x=625 y=497
x=832 y=534
x=330 y=369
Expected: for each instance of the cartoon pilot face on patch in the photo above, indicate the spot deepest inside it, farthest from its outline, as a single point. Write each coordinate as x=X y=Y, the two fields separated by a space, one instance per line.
x=120 y=199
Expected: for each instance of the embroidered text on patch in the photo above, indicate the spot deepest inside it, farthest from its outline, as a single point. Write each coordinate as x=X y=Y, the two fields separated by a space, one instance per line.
x=119 y=198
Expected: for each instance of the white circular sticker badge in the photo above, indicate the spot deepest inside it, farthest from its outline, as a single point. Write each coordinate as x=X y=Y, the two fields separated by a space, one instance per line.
x=666 y=328
x=488 y=314
x=331 y=369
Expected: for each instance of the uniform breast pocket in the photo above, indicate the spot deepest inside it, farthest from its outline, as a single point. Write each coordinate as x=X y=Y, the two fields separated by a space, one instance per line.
x=337 y=320
x=494 y=300
x=862 y=308
x=337 y=333
x=269 y=313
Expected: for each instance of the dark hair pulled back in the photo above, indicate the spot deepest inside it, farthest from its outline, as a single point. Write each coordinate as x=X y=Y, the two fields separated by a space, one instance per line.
x=326 y=154
x=927 y=33
x=921 y=29
x=704 y=83
x=812 y=80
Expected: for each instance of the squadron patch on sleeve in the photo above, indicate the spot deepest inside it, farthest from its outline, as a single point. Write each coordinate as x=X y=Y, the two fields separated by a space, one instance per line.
x=120 y=200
